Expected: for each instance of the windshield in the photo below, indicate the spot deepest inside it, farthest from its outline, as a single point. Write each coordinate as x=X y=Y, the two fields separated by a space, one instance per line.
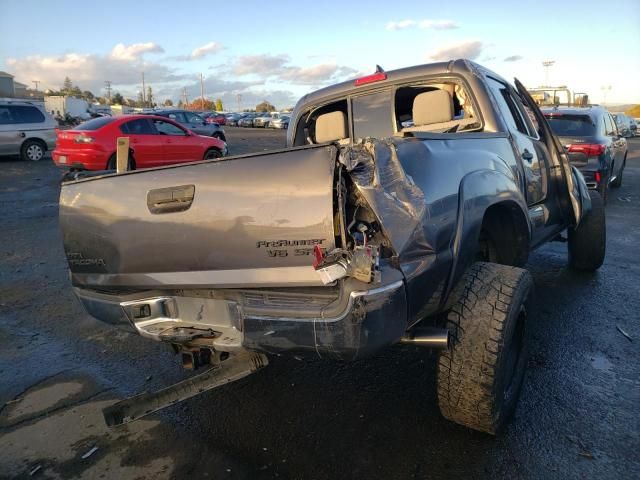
x=571 y=125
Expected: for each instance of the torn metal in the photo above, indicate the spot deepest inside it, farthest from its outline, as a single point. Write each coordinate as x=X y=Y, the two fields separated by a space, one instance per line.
x=399 y=204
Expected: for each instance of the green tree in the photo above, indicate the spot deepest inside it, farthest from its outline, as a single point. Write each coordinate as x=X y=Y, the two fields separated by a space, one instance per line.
x=265 y=106
x=219 y=106
x=117 y=99
x=168 y=103
x=67 y=86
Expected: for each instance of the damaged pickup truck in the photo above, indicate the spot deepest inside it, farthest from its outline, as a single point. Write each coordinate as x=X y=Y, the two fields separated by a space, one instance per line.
x=402 y=211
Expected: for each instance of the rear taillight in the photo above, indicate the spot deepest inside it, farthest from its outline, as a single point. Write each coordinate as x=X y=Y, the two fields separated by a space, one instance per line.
x=598 y=177
x=83 y=139
x=589 y=149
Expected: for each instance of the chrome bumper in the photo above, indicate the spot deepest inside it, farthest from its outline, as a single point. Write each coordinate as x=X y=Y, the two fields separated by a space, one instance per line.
x=370 y=320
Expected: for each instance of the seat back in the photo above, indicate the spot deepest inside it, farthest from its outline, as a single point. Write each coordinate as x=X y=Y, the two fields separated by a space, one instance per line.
x=432 y=107
x=331 y=127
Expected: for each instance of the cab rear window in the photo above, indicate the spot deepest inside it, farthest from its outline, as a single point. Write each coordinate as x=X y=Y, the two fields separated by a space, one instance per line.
x=571 y=125
x=94 y=124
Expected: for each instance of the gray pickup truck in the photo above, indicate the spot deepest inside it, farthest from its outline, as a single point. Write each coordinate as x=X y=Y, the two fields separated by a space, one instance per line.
x=402 y=211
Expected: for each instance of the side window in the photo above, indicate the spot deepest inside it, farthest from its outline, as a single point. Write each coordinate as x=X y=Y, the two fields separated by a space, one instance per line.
x=141 y=126
x=177 y=117
x=372 y=115
x=193 y=118
x=614 y=127
x=26 y=114
x=306 y=127
x=166 y=128
x=507 y=107
x=6 y=117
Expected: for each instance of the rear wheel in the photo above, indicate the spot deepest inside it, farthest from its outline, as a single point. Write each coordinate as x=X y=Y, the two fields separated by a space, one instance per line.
x=112 y=163
x=587 y=243
x=212 y=153
x=32 y=150
x=479 y=378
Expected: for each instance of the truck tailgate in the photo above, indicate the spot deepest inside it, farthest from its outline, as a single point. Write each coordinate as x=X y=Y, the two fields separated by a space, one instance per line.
x=240 y=222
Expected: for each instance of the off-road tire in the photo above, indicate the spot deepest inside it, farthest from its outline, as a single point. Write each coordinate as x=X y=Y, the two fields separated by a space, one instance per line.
x=480 y=376
x=587 y=243
x=617 y=183
x=32 y=151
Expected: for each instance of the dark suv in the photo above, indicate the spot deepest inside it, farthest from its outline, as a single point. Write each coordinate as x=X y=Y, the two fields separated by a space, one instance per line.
x=595 y=147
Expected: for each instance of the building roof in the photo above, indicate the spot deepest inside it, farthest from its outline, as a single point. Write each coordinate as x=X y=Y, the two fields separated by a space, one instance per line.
x=5 y=74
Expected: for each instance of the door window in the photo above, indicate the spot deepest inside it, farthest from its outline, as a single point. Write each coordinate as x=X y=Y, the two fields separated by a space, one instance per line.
x=25 y=114
x=166 y=128
x=507 y=108
x=141 y=126
x=177 y=116
x=5 y=116
x=372 y=115
x=193 y=118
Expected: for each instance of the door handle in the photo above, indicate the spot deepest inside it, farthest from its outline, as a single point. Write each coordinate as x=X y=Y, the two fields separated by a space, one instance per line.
x=170 y=199
x=527 y=155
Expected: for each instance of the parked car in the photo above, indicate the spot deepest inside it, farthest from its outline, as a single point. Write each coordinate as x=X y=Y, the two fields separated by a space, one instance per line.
x=214 y=117
x=624 y=124
x=247 y=120
x=25 y=130
x=590 y=136
x=154 y=141
x=264 y=119
x=232 y=119
x=633 y=126
x=281 y=122
x=372 y=234
x=194 y=122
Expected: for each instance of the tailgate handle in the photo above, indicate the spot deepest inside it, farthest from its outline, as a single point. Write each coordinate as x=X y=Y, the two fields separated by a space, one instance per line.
x=170 y=199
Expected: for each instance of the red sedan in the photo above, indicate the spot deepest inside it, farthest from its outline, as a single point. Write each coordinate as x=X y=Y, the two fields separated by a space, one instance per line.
x=154 y=141
x=215 y=117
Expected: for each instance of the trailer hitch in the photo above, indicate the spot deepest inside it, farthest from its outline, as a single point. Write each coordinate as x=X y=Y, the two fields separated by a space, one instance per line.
x=237 y=366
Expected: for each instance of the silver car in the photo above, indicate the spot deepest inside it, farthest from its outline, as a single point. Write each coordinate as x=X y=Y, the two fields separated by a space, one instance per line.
x=26 y=130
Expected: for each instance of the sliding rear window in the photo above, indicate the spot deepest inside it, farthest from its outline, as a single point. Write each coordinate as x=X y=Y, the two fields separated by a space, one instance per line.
x=565 y=125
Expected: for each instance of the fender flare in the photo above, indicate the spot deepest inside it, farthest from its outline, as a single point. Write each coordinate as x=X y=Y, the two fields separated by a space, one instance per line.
x=478 y=191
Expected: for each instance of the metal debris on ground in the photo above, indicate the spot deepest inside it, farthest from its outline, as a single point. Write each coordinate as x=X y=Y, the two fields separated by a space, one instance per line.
x=624 y=333
x=90 y=452
x=35 y=470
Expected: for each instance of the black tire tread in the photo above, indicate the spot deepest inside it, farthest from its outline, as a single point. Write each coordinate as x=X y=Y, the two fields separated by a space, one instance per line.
x=468 y=372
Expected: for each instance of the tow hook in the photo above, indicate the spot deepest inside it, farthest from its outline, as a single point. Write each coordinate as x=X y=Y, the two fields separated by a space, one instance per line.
x=237 y=366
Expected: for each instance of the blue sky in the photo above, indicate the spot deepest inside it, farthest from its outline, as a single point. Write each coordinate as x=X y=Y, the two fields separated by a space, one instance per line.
x=280 y=50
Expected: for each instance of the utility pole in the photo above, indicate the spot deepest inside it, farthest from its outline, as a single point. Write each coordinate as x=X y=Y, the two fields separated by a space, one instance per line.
x=144 y=93
x=546 y=64
x=605 y=89
x=36 y=82
x=107 y=87
x=239 y=99
x=202 y=90
x=185 y=100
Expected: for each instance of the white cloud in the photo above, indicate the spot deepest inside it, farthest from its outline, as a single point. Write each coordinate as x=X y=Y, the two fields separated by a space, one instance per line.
x=438 y=24
x=425 y=24
x=134 y=51
x=401 y=25
x=207 y=49
x=469 y=49
x=260 y=64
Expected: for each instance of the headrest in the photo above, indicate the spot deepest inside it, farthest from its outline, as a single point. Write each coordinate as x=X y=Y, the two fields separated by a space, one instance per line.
x=432 y=107
x=331 y=126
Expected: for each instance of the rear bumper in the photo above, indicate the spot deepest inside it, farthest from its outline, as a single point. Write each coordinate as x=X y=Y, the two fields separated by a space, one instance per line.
x=370 y=320
x=89 y=160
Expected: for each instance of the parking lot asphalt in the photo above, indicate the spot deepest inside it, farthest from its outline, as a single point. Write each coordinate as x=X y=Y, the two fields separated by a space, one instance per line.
x=375 y=418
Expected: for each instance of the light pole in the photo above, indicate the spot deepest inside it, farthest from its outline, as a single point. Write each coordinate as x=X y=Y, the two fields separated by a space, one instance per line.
x=546 y=64
x=37 y=82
